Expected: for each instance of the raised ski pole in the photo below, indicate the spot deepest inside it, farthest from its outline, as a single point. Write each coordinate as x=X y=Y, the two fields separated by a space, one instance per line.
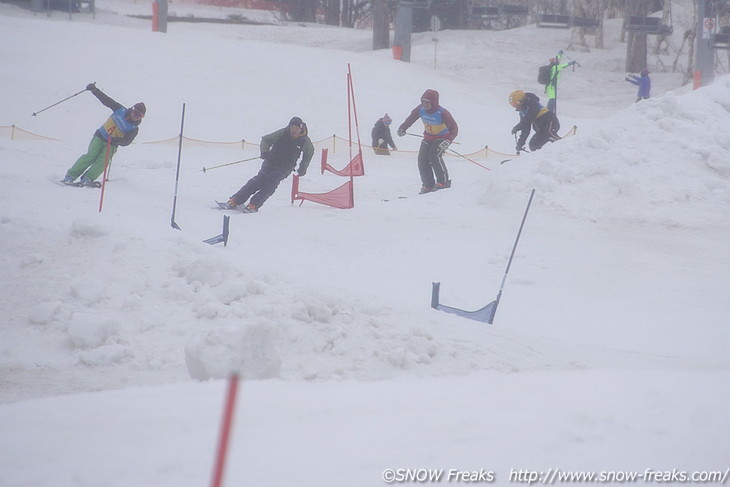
x=229 y=164
x=225 y=432
x=59 y=102
x=177 y=173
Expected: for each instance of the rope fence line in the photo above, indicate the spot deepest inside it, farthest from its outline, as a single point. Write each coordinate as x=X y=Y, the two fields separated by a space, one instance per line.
x=331 y=143
x=13 y=132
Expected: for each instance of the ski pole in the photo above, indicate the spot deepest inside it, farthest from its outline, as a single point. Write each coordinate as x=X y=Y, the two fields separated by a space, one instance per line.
x=421 y=136
x=230 y=163
x=470 y=160
x=523 y=147
x=59 y=102
x=177 y=173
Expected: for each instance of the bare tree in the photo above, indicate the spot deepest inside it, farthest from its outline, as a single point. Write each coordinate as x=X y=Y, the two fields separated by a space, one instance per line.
x=303 y=10
x=689 y=38
x=589 y=9
x=332 y=12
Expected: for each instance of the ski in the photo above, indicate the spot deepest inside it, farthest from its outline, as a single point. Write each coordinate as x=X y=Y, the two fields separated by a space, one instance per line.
x=569 y=133
x=76 y=184
x=434 y=190
x=60 y=182
x=239 y=208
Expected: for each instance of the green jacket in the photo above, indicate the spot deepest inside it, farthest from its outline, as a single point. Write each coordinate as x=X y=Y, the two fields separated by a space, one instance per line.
x=552 y=87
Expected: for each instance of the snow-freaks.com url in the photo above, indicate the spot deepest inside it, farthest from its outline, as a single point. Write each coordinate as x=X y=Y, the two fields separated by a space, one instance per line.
x=555 y=476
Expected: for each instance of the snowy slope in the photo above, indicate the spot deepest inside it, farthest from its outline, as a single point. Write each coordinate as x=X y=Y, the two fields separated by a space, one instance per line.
x=609 y=345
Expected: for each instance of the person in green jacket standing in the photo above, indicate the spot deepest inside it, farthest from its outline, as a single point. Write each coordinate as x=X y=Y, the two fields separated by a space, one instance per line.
x=551 y=89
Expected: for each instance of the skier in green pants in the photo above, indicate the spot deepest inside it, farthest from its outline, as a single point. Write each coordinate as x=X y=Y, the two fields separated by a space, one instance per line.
x=120 y=129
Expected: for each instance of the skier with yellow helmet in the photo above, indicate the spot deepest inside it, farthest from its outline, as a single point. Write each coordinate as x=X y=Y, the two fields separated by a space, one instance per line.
x=533 y=116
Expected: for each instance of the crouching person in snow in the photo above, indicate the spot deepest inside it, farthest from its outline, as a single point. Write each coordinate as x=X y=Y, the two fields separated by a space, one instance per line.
x=120 y=129
x=533 y=116
x=280 y=151
x=381 y=136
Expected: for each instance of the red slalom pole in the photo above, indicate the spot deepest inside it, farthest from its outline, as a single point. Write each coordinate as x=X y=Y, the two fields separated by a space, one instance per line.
x=225 y=430
x=354 y=109
x=106 y=168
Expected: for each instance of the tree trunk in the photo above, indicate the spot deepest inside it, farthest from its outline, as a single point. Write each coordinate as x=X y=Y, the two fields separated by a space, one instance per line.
x=601 y=17
x=636 y=55
x=304 y=10
x=347 y=17
x=332 y=12
x=381 y=25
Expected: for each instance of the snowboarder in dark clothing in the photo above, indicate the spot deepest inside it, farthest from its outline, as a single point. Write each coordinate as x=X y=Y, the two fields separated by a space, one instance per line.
x=381 y=136
x=120 y=129
x=533 y=116
x=643 y=82
x=280 y=151
x=440 y=129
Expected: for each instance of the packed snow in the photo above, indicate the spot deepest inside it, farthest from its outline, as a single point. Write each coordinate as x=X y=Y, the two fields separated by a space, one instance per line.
x=608 y=352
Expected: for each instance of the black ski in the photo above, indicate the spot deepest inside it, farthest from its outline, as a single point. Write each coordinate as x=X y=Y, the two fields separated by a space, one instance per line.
x=239 y=208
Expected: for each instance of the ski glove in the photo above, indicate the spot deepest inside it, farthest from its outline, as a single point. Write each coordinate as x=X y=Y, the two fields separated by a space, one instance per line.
x=301 y=172
x=401 y=132
x=520 y=148
x=444 y=144
x=91 y=87
x=515 y=129
x=264 y=154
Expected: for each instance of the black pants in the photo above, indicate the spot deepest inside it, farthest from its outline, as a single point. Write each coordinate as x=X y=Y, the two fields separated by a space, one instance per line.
x=262 y=185
x=431 y=163
x=546 y=130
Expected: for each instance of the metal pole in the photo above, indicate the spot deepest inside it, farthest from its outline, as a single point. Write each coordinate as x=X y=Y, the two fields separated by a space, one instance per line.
x=402 y=30
x=704 y=53
x=509 y=263
x=177 y=173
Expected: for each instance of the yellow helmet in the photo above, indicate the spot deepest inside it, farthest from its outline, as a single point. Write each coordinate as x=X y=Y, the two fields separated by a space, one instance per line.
x=516 y=97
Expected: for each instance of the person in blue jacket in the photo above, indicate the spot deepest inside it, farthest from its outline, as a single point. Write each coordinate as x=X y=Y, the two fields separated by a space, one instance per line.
x=643 y=82
x=119 y=129
x=439 y=131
